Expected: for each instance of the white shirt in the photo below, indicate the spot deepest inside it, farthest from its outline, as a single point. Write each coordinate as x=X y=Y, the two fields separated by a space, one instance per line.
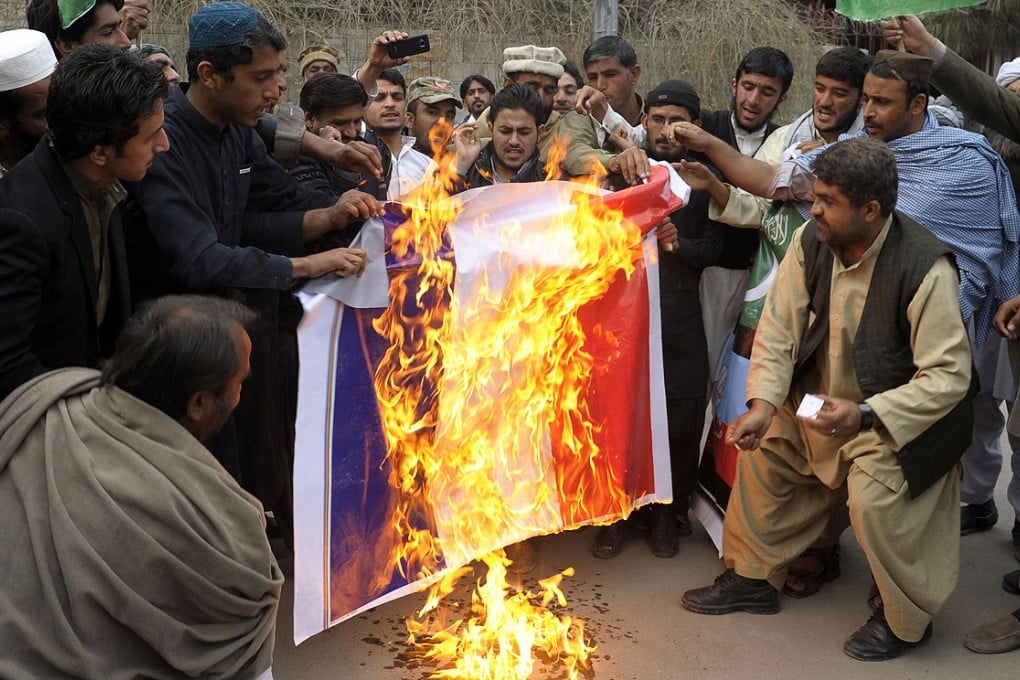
x=409 y=168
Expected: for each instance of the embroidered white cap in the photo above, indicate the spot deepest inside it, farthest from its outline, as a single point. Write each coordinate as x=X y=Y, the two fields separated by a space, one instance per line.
x=26 y=57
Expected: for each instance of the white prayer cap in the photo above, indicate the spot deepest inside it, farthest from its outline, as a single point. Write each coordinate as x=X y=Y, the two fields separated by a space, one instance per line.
x=26 y=57
x=1008 y=72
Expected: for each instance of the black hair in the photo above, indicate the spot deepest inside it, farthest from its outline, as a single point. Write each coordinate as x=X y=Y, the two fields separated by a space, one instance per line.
x=331 y=91
x=846 y=64
x=485 y=82
x=10 y=105
x=914 y=87
x=610 y=47
x=769 y=62
x=392 y=75
x=570 y=68
x=176 y=346
x=863 y=169
x=518 y=97
x=44 y=16
x=224 y=59
x=98 y=94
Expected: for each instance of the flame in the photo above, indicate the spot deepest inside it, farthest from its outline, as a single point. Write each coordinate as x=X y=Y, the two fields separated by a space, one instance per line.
x=486 y=382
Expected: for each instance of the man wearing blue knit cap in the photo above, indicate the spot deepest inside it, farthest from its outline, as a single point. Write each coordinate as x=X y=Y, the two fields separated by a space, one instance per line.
x=221 y=216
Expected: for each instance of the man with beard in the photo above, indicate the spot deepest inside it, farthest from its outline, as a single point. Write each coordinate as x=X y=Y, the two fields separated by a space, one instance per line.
x=384 y=117
x=862 y=317
x=517 y=115
x=62 y=256
x=476 y=92
x=431 y=109
x=684 y=349
x=26 y=62
x=760 y=85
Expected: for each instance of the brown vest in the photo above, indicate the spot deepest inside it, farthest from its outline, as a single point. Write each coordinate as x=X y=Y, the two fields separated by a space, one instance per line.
x=882 y=354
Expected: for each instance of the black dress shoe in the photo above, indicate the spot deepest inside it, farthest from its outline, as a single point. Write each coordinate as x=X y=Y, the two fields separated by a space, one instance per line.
x=875 y=641
x=1016 y=539
x=609 y=540
x=732 y=592
x=664 y=539
x=978 y=517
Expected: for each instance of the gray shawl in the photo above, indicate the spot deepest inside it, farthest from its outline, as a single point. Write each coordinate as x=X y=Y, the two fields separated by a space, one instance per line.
x=127 y=551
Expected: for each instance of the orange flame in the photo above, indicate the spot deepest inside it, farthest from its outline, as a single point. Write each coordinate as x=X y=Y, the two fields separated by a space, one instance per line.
x=474 y=392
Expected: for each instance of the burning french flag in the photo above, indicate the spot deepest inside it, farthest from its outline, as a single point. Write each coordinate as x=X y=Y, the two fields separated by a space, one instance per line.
x=494 y=375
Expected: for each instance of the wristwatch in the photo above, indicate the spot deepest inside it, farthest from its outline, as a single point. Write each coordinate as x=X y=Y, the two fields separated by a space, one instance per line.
x=867 y=417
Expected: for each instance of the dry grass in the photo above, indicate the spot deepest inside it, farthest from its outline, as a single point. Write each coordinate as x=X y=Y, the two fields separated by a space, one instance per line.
x=698 y=40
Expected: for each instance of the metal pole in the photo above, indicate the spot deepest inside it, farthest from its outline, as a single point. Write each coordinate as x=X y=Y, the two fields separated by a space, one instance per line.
x=606 y=14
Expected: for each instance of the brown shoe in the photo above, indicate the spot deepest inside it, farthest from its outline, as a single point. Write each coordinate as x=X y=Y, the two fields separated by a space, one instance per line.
x=1001 y=635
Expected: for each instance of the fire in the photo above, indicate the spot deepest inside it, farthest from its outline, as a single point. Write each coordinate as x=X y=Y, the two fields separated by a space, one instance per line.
x=474 y=394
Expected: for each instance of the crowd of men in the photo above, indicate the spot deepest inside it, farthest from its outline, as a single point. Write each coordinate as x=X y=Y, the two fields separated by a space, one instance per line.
x=154 y=221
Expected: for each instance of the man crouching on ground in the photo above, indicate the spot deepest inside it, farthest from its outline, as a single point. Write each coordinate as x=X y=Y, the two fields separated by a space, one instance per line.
x=863 y=314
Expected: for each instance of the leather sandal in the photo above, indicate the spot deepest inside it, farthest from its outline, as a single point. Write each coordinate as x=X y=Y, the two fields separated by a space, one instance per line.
x=813 y=568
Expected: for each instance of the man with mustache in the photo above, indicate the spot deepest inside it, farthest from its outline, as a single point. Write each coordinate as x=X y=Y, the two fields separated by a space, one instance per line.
x=517 y=116
x=863 y=318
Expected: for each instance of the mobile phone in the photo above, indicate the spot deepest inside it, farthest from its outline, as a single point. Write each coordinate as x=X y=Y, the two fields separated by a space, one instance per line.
x=415 y=44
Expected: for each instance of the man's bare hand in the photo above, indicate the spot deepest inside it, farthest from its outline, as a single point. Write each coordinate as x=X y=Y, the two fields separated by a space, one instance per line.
x=746 y=432
x=912 y=32
x=839 y=418
x=360 y=157
x=697 y=176
x=340 y=261
x=1007 y=319
x=468 y=146
x=689 y=135
x=632 y=164
x=591 y=102
x=378 y=54
x=134 y=17
x=666 y=233
x=353 y=206
x=619 y=139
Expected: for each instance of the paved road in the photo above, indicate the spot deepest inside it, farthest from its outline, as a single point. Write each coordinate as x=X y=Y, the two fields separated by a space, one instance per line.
x=633 y=617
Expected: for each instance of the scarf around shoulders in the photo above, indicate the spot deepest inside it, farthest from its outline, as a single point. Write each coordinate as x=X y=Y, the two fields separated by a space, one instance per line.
x=128 y=551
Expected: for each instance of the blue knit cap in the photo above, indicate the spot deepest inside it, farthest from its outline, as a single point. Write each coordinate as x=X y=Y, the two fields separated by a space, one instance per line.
x=219 y=24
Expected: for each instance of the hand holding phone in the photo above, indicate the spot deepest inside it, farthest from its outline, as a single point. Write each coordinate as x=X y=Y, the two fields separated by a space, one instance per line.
x=415 y=44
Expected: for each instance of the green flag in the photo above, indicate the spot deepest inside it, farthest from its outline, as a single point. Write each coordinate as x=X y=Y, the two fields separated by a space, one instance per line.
x=72 y=10
x=873 y=10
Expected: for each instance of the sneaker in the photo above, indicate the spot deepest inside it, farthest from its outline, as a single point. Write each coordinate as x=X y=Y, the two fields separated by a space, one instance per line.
x=978 y=517
x=732 y=592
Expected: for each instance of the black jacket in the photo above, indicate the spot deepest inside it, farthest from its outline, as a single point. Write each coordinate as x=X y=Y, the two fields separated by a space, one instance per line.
x=49 y=289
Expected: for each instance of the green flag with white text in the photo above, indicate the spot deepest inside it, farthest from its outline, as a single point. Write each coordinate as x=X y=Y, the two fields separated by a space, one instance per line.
x=873 y=10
